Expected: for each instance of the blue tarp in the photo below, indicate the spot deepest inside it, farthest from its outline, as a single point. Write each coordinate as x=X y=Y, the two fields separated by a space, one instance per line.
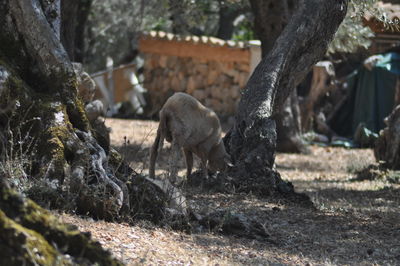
x=371 y=96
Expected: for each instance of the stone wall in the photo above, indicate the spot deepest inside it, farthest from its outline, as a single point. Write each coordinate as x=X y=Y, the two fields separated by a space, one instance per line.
x=211 y=70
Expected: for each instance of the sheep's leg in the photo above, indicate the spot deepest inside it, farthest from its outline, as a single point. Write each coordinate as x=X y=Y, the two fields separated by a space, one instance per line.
x=204 y=169
x=189 y=162
x=173 y=162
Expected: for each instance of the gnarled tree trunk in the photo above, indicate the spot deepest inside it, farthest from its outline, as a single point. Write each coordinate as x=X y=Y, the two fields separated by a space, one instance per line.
x=73 y=21
x=271 y=17
x=41 y=79
x=387 y=147
x=252 y=140
x=39 y=103
x=30 y=235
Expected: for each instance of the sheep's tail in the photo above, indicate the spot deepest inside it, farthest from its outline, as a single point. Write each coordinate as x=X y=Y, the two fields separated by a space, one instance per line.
x=157 y=145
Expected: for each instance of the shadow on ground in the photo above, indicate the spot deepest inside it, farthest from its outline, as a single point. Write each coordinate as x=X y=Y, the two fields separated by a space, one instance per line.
x=348 y=226
x=364 y=231
x=138 y=156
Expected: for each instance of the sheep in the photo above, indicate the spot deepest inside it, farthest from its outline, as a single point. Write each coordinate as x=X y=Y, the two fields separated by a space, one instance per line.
x=189 y=125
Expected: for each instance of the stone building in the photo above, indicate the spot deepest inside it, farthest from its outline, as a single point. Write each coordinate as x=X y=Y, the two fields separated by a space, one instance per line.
x=212 y=70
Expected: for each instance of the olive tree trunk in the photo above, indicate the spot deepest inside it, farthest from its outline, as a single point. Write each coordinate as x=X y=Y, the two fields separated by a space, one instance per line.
x=74 y=16
x=30 y=235
x=387 y=146
x=271 y=17
x=42 y=114
x=228 y=12
x=41 y=79
x=252 y=140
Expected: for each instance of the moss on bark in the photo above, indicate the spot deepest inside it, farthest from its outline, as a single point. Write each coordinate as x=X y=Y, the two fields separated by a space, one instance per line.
x=22 y=246
x=53 y=121
x=33 y=236
x=42 y=89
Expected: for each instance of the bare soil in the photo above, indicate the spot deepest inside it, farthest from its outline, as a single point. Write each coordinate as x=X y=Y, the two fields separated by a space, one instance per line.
x=353 y=223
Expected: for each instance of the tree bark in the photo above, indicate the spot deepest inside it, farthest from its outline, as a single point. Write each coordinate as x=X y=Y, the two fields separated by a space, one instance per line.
x=228 y=12
x=252 y=140
x=180 y=24
x=73 y=22
x=63 y=127
x=271 y=17
x=288 y=127
x=30 y=235
x=39 y=100
x=387 y=147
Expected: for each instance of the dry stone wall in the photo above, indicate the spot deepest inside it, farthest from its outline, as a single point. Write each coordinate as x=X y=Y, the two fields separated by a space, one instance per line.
x=216 y=83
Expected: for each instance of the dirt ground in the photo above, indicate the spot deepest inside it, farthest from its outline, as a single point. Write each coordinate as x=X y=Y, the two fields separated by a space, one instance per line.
x=354 y=222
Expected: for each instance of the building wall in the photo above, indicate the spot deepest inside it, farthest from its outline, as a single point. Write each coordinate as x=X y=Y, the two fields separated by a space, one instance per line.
x=212 y=70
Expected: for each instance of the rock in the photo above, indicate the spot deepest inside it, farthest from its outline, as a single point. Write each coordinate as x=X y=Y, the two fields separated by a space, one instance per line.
x=175 y=83
x=217 y=105
x=235 y=224
x=154 y=61
x=234 y=92
x=213 y=82
x=228 y=69
x=223 y=81
x=199 y=95
x=94 y=110
x=163 y=61
x=242 y=67
x=202 y=69
x=216 y=92
x=172 y=62
x=212 y=77
x=176 y=200
x=242 y=79
x=183 y=85
x=191 y=85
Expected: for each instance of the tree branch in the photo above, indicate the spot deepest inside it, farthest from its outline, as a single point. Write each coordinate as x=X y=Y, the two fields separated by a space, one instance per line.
x=302 y=43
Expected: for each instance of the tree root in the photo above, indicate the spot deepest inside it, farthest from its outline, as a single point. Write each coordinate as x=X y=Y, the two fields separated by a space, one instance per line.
x=30 y=235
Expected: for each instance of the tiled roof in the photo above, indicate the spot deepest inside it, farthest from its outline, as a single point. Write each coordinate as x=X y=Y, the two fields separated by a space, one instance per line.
x=392 y=11
x=198 y=39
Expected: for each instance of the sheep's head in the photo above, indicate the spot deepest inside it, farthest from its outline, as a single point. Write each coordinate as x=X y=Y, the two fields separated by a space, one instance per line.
x=219 y=159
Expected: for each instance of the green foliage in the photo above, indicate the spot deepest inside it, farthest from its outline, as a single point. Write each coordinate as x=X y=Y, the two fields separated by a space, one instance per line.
x=244 y=31
x=199 y=16
x=352 y=34
x=114 y=25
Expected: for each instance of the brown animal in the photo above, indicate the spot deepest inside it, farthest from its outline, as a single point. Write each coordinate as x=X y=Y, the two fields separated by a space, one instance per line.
x=190 y=126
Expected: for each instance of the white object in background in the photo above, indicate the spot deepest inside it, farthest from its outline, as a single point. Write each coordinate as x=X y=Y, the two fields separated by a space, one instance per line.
x=110 y=86
x=104 y=90
x=135 y=95
x=371 y=61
